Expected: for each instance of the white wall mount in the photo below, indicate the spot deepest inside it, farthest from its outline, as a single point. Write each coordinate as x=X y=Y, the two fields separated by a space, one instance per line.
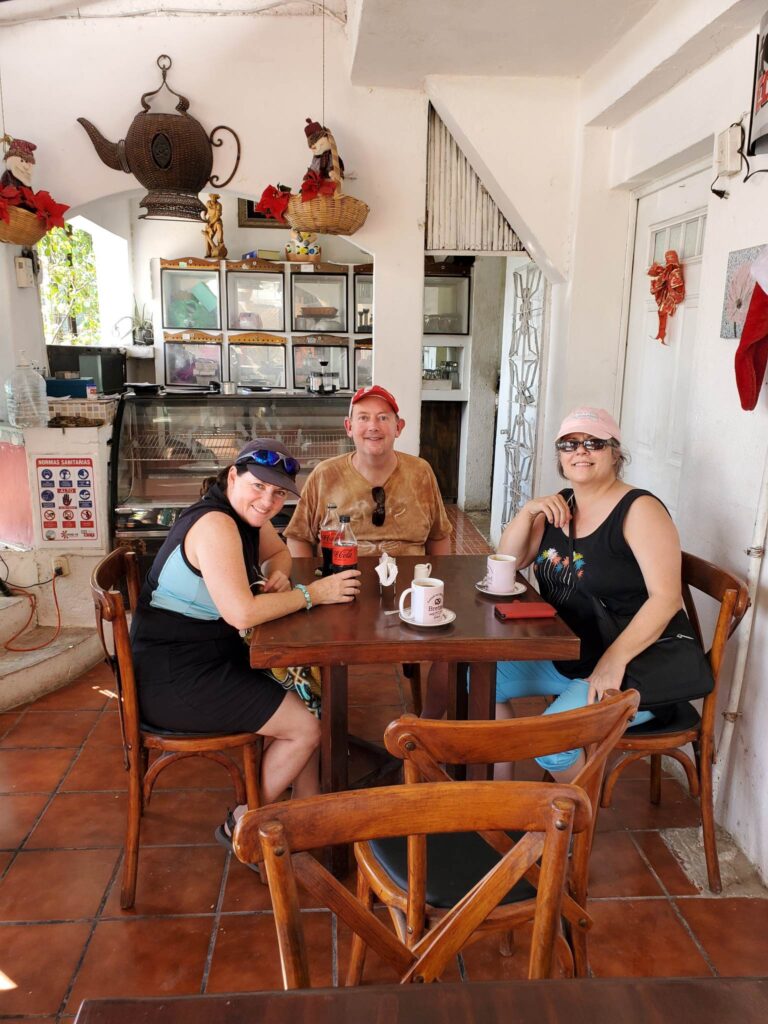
x=728 y=155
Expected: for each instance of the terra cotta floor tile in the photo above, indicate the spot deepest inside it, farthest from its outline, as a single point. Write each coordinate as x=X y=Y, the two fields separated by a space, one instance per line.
x=39 y=960
x=33 y=771
x=734 y=932
x=631 y=808
x=665 y=864
x=55 y=885
x=86 y=692
x=18 y=814
x=617 y=869
x=173 y=880
x=81 y=821
x=51 y=729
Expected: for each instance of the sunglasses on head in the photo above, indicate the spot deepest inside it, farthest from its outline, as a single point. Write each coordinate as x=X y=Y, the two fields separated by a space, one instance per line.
x=379 y=514
x=264 y=457
x=591 y=444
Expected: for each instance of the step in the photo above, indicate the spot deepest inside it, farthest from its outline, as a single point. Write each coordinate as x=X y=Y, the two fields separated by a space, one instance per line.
x=28 y=675
x=14 y=612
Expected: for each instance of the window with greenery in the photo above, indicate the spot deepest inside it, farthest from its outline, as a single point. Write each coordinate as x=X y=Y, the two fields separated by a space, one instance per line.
x=69 y=291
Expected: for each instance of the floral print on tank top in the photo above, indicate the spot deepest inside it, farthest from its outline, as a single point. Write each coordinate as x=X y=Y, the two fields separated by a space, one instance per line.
x=555 y=573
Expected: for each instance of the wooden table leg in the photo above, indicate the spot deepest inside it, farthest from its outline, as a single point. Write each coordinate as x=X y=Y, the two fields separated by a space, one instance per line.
x=334 y=776
x=482 y=707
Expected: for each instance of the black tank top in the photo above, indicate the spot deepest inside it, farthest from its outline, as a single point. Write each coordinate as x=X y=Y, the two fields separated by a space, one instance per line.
x=153 y=624
x=603 y=567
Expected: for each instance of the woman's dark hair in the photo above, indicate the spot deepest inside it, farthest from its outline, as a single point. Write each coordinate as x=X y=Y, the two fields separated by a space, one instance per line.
x=623 y=459
x=220 y=479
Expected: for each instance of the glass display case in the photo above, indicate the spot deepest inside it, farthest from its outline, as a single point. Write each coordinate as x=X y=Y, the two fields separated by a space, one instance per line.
x=446 y=305
x=363 y=366
x=165 y=445
x=255 y=301
x=442 y=368
x=307 y=360
x=319 y=302
x=257 y=363
x=192 y=362
x=363 y=303
x=191 y=298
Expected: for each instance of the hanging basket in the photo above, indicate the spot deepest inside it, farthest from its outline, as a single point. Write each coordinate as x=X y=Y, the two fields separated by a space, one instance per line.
x=23 y=227
x=328 y=215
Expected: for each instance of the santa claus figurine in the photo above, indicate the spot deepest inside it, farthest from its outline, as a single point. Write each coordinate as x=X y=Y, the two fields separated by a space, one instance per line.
x=19 y=161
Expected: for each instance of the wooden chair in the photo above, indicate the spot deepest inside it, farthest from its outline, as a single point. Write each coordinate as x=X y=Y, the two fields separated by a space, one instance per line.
x=688 y=726
x=281 y=835
x=118 y=571
x=457 y=861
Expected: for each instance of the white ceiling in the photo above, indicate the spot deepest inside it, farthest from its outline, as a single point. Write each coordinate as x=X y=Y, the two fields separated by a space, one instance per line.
x=399 y=42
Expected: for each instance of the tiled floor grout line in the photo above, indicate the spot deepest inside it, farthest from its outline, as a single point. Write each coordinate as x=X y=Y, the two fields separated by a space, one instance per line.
x=215 y=924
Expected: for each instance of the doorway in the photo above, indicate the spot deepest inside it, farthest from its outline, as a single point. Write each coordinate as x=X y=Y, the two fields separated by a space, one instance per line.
x=654 y=405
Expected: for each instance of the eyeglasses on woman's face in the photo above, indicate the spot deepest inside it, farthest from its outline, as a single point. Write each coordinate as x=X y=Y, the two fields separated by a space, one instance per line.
x=379 y=514
x=263 y=457
x=590 y=444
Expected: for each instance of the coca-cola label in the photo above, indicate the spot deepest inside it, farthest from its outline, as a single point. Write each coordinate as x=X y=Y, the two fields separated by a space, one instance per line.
x=327 y=537
x=345 y=554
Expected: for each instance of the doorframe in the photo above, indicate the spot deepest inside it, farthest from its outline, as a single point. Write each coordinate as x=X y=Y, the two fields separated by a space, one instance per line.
x=641 y=192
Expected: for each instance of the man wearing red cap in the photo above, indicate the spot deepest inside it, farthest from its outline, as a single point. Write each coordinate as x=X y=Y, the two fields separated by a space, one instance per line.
x=392 y=498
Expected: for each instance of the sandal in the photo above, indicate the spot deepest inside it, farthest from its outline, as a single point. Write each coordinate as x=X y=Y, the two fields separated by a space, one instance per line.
x=223 y=836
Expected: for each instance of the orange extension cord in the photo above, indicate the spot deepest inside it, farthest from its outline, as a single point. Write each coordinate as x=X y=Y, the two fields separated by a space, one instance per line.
x=23 y=591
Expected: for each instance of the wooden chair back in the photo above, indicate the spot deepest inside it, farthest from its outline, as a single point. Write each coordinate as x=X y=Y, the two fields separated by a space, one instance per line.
x=114 y=575
x=281 y=835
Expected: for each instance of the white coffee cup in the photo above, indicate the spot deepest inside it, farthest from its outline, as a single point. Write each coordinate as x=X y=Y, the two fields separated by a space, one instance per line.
x=422 y=571
x=500 y=573
x=426 y=601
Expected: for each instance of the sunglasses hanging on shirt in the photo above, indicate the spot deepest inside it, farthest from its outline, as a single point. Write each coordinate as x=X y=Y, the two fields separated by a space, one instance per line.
x=379 y=514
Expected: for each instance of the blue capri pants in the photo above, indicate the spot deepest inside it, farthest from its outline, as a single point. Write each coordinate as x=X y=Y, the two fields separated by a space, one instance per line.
x=541 y=679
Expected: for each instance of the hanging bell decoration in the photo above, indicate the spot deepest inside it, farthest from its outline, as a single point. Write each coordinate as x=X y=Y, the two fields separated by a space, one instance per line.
x=170 y=154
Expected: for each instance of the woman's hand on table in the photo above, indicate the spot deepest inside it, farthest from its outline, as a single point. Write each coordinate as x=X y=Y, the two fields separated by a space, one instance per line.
x=339 y=588
x=277 y=583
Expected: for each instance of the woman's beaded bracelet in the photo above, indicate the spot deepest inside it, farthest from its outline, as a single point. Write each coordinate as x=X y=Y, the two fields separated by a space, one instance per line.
x=305 y=593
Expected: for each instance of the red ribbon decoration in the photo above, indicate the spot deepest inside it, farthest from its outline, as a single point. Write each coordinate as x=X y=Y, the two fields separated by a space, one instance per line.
x=668 y=288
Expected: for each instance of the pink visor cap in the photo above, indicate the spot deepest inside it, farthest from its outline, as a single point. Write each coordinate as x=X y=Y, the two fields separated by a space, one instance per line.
x=588 y=420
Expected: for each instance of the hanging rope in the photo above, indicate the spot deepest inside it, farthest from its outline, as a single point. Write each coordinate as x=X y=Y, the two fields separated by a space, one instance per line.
x=322 y=93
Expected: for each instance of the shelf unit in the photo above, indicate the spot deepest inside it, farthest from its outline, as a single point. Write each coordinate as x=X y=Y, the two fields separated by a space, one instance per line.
x=268 y=317
x=447 y=331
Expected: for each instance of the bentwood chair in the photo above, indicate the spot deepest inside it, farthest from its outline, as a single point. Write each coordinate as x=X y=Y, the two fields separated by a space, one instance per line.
x=687 y=725
x=281 y=834
x=450 y=864
x=117 y=573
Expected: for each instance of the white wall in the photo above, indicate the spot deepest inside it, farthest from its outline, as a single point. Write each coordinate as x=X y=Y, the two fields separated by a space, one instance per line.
x=262 y=76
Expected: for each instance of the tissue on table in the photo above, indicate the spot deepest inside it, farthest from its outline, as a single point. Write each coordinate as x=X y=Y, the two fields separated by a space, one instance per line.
x=386 y=570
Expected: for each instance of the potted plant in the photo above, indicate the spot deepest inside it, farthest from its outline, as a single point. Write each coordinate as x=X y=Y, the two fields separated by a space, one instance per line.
x=139 y=326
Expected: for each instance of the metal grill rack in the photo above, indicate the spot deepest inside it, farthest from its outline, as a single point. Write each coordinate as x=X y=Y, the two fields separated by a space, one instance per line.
x=214 y=450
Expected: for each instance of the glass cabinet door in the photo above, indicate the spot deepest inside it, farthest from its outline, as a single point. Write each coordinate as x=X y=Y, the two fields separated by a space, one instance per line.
x=257 y=365
x=255 y=301
x=363 y=366
x=307 y=360
x=442 y=368
x=190 y=299
x=446 y=305
x=192 y=362
x=319 y=302
x=364 y=304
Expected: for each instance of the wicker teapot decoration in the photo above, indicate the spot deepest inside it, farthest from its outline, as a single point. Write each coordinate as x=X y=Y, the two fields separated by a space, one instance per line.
x=170 y=155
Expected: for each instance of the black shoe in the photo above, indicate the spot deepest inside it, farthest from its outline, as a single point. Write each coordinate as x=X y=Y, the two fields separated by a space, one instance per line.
x=223 y=836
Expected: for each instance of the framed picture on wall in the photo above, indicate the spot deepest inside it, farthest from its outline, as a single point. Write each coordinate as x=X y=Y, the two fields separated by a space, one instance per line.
x=249 y=217
x=757 y=142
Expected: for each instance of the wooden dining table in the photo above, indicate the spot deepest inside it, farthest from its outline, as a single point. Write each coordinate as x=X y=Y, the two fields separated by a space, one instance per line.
x=361 y=633
x=578 y=1001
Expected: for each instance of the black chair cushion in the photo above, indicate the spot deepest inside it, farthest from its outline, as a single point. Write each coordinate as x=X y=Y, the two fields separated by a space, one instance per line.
x=455 y=862
x=679 y=718
x=170 y=734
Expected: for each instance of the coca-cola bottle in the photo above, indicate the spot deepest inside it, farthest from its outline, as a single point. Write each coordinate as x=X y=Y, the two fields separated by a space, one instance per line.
x=329 y=528
x=344 y=555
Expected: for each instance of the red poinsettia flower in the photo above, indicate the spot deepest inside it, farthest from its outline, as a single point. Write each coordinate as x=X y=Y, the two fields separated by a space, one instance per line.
x=48 y=210
x=274 y=202
x=313 y=186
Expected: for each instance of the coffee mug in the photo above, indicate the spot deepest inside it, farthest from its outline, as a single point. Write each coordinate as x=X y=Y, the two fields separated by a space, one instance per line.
x=426 y=601
x=500 y=573
x=422 y=571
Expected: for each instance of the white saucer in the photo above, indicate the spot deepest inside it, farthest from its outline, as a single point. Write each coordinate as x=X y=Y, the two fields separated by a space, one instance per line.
x=518 y=588
x=448 y=617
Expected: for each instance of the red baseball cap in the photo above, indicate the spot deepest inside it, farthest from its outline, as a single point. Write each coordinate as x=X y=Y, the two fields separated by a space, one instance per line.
x=374 y=391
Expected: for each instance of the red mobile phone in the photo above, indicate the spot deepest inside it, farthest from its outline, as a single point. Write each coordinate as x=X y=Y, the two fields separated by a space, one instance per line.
x=524 y=610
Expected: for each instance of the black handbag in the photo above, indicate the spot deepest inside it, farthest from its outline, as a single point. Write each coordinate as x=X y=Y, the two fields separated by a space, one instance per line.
x=671 y=670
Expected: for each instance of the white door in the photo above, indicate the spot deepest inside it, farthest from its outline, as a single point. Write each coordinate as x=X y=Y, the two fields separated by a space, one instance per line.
x=520 y=373
x=656 y=377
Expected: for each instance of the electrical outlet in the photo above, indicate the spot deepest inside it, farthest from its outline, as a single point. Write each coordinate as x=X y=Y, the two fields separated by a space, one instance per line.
x=60 y=565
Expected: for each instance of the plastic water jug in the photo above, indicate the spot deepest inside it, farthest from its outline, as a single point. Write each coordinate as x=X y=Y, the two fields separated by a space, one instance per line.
x=26 y=397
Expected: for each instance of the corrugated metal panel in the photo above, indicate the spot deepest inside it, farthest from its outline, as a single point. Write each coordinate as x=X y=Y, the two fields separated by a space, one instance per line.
x=461 y=216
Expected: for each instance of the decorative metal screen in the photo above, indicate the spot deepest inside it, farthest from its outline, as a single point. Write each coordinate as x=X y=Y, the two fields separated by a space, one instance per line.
x=530 y=296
